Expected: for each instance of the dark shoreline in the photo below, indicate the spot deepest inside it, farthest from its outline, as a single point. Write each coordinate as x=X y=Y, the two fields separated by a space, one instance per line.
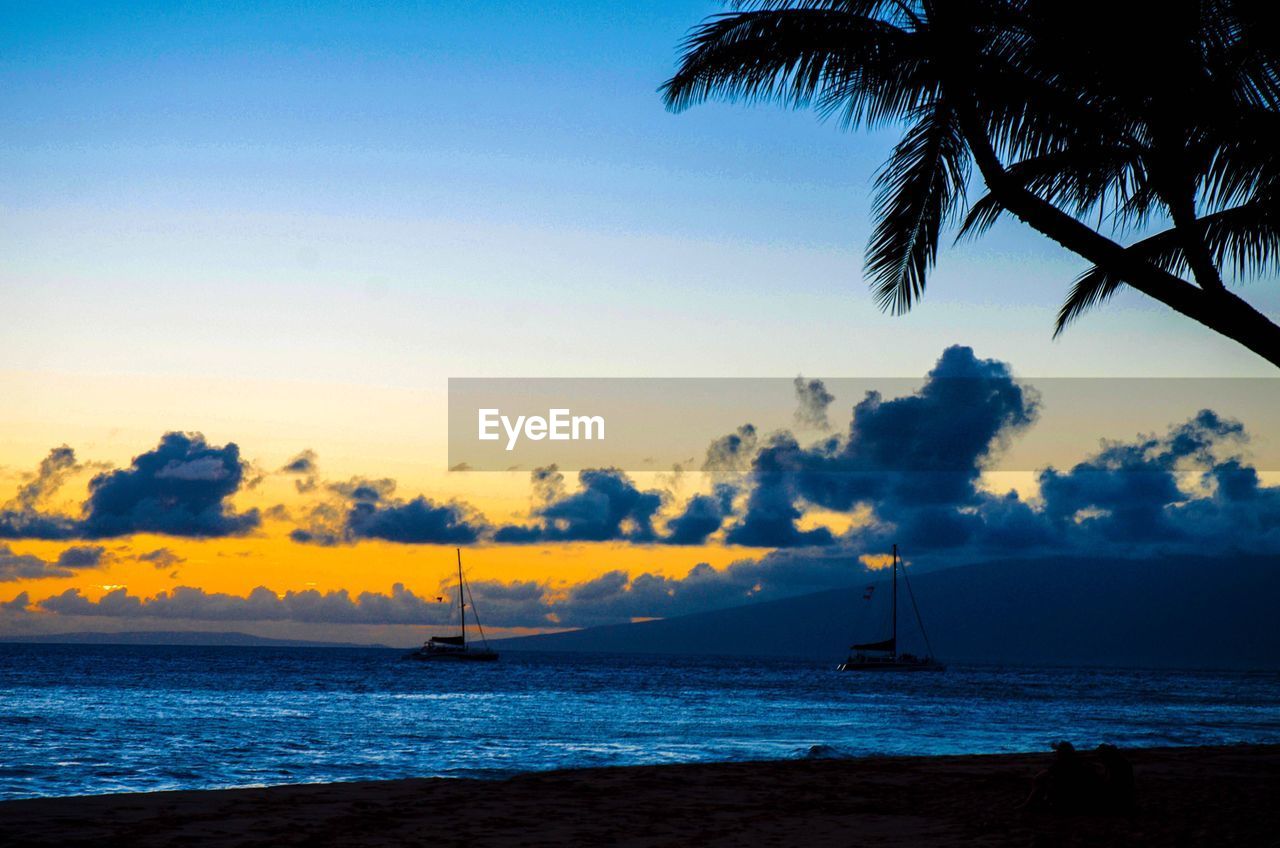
x=1222 y=795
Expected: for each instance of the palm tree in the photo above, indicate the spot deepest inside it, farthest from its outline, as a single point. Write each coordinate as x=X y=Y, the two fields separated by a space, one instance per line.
x=1142 y=136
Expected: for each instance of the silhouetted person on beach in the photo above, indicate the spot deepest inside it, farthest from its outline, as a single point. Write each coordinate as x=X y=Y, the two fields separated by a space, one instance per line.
x=1073 y=784
x=1119 y=790
x=1066 y=786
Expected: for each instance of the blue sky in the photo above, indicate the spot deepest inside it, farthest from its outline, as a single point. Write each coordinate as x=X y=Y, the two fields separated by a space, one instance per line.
x=396 y=193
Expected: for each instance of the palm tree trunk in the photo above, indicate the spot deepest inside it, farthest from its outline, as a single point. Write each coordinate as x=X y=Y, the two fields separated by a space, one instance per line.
x=1219 y=310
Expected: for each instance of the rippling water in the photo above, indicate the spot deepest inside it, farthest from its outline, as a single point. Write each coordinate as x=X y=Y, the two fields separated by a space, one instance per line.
x=90 y=719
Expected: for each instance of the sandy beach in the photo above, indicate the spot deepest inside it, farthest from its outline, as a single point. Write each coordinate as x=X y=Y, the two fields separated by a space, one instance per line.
x=1186 y=796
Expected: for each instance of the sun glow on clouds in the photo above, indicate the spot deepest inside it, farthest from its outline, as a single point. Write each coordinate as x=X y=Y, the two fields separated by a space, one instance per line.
x=876 y=562
x=199 y=528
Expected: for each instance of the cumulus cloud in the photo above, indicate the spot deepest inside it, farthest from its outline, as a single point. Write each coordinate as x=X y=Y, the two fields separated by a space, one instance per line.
x=921 y=451
x=368 y=509
x=813 y=399
x=1185 y=490
x=611 y=597
x=305 y=468
x=909 y=468
x=161 y=558
x=22 y=518
x=401 y=606
x=606 y=507
x=16 y=566
x=181 y=488
x=17 y=604
x=730 y=456
x=19 y=524
x=48 y=478
x=702 y=516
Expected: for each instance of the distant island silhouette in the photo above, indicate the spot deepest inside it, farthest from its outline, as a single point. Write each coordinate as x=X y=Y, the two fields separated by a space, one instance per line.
x=1186 y=612
x=176 y=637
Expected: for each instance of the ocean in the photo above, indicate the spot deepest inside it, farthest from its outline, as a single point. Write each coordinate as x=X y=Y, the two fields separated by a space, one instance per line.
x=92 y=719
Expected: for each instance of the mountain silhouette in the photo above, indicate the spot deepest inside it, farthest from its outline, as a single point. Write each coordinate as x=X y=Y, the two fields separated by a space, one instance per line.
x=1188 y=612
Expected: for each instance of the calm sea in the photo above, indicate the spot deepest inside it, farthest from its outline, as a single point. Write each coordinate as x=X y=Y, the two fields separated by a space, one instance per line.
x=78 y=719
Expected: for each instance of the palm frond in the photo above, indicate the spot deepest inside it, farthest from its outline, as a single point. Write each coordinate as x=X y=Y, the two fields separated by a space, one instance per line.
x=917 y=191
x=797 y=56
x=1085 y=179
x=1245 y=240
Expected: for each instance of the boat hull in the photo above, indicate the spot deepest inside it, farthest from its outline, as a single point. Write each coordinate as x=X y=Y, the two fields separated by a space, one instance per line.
x=452 y=656
x=891 y=666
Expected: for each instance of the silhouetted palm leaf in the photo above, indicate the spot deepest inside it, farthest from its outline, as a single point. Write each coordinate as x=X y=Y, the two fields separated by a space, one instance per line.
x=1244 y=239
x=917 y=191
x=1088 y=120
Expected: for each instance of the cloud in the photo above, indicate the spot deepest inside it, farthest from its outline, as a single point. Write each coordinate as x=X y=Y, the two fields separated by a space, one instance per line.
x=82 y=556
x=368 y=509
x=611 y=597
x=21 y=518
x=161 y=558
x=16 y=566
x=305 y=467
x=419 y=521
x=606 y=507
x=53 y=472
x=920 y=451
x=908 y=468
x=702 y=516
x=1132 y=493
x=16 y=524
x=401 y=606
x=729 y=457
x=18 y=604
x=182 y=488
x=813 y=399
x=1185 y=491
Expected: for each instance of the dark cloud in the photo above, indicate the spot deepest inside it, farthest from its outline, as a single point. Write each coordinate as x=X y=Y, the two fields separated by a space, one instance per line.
x=1132 y=493
x=909 y=468
x=182 y=488
x=16 y=524
x=17 y=604
x=921 y=451
x=22 y=518
x=611 y=597
x=53 y=472
x=401 y=606
x=813 y=399
x=305 y=468
x=15 y=566
x=419 y=521
x=161 y=558
x=82 y=556
x=368 y=509
x=702 y=516
x=606 y=507
x=364 y=489
x=729 y=457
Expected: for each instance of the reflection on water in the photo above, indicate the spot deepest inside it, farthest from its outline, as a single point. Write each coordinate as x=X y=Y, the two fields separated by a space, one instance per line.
x=89 y=719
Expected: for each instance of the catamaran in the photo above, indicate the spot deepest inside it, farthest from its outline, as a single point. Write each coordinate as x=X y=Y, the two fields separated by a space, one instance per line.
x=456 y=648
x=883 y=655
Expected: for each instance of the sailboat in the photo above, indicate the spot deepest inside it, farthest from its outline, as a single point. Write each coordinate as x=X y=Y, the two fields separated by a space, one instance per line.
x=456 y=648
x=883 y=655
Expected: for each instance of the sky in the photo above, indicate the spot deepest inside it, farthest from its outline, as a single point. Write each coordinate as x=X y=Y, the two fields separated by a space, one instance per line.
x=286 y=226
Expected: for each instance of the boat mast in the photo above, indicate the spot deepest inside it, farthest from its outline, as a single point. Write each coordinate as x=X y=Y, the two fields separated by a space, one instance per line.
x=895 y=600
x=462 y=603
